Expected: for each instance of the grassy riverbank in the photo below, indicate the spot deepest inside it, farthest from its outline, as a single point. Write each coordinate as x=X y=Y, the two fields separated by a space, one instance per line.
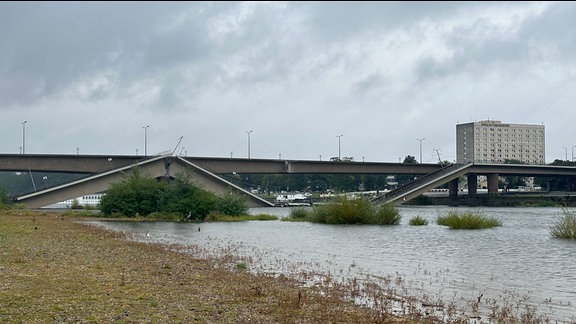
x=55 y=269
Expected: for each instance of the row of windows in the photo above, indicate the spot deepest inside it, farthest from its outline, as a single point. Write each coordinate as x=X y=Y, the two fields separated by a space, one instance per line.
x=519 y=146
x=509 y=130
x=506 y=150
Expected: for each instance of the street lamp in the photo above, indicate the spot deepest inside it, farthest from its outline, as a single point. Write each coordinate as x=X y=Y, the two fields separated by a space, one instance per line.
x=249 y=132
x=573 y=152
x=146 y=139
x=420 y=140
x=23 y=137
x=566 y=152
x=339 y=137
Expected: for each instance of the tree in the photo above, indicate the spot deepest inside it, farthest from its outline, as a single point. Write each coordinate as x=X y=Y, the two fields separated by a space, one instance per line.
x=559 y=183
x=139 y=194
x=136 y=194
x=410 y=159
x=514 y=181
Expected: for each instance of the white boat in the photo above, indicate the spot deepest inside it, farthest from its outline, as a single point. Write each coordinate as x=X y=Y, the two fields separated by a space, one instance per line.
x=288 y=200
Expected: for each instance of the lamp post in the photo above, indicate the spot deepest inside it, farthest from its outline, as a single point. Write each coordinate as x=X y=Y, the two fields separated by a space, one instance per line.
x=339 y=137
x=420 y=140
x=146 y=139
x=24 y=137
x=573 y=152
x=566 y=153
x=249 y=132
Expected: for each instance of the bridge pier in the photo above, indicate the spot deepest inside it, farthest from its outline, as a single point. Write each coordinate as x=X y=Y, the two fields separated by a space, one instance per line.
x=492 y=179
x=453 y=189
x=472 y=185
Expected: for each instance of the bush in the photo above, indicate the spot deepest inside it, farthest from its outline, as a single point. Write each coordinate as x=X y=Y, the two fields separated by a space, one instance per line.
x=418 y=221
x=138 y=194
x=232 y=204
x=4 y=199
x=354 y=211
x=565 y=226
x=299 y=213
x=467 y=220
x=387 y=214
x=75 y=204
x=135 y=194
x=343 y=211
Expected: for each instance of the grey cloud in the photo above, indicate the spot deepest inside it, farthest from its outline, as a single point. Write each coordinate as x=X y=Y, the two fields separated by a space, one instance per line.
x=343 y=19
x=59 y=43
x=540 y=38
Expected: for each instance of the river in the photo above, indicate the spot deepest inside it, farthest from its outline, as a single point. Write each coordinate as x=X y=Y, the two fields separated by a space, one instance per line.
x=518 y=262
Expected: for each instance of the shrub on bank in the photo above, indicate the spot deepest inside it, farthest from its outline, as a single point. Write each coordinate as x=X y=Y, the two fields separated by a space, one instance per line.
x=467 y=220
x=4 y=200
x=141 y=195
x=565 y=226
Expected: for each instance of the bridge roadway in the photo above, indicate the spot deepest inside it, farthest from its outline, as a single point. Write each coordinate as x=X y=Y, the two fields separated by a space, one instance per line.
x=103 y=170
x=100 y=163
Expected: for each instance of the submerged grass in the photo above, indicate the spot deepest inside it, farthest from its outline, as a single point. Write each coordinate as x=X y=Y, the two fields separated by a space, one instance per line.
x=467 y=220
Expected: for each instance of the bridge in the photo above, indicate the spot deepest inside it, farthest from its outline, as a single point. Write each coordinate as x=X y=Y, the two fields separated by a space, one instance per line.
x=102 y=171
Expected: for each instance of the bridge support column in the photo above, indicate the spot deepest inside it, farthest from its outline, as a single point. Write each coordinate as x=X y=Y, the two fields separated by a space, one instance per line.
x=570 y=183
x=472 y=185
x=492 y=182
x=453 y=189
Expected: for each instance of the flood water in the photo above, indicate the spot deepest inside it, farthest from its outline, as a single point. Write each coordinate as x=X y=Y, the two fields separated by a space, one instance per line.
x=518 y=259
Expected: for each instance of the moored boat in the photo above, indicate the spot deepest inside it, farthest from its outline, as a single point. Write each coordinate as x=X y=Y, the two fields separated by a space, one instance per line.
x=289 y=200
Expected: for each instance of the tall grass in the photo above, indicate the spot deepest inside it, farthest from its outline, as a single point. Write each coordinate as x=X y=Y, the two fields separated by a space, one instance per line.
x=348 y=211
x=418 y=221
x=467 y=220
x=387 y=214
x=565 y=226
x=298 y=214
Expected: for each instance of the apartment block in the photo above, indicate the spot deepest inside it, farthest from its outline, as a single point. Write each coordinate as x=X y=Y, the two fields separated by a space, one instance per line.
x=491 y=141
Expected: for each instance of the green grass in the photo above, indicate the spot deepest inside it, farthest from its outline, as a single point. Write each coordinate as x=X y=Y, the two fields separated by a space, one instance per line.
x=467 y=220
x=299 y=213
x=347 y=211
x=565 y=226
x=418 y=221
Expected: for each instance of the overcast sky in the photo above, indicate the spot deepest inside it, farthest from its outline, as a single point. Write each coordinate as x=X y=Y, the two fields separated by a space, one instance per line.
x=87 y=77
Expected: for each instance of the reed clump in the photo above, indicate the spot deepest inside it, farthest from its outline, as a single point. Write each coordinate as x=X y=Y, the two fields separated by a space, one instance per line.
x=348 y=211
x=467 y=220
x=418 y=221
x=565 y=226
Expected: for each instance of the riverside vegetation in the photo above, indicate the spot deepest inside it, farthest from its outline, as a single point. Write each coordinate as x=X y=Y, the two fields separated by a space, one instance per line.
x=56 y=269
x=467 y=220
x=348 y=211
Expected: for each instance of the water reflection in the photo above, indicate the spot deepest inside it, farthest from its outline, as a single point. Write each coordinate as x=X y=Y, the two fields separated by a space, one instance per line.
x=520 y=256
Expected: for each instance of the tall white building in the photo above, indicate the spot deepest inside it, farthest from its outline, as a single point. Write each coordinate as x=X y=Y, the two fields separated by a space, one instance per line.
x=491 y=141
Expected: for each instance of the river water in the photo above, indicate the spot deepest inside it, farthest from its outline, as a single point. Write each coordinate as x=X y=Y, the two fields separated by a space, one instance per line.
x=518 y=262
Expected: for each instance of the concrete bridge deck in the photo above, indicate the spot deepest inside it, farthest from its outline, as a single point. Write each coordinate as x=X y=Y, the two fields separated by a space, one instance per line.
x=103 y=170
